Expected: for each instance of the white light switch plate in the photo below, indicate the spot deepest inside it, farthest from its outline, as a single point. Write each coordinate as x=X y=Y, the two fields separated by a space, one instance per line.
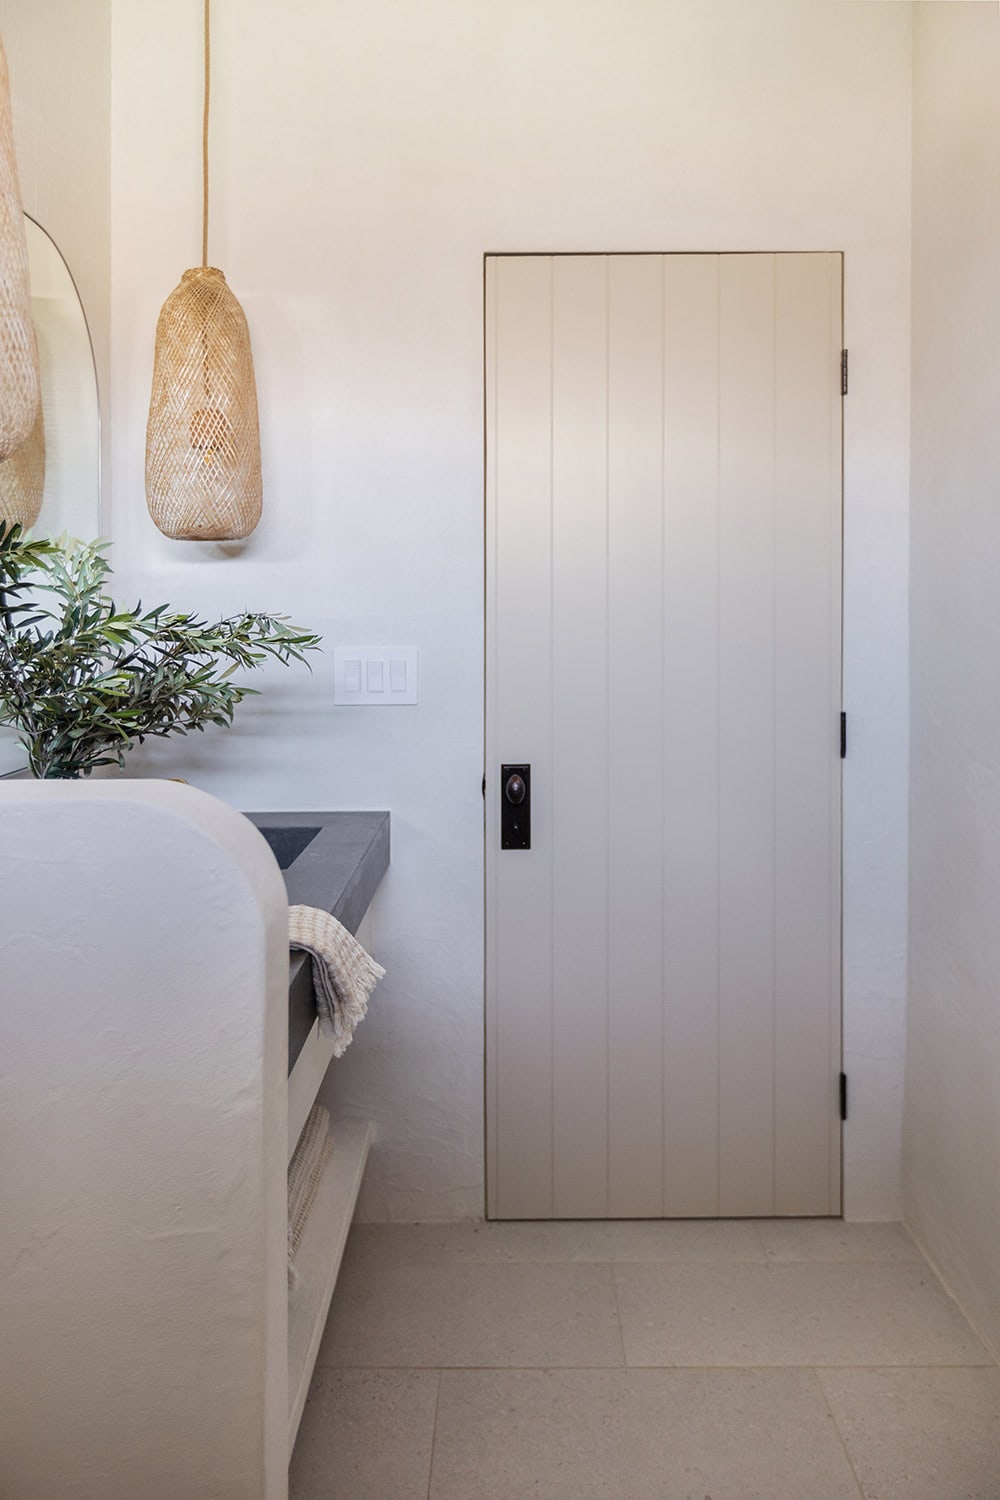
x=376 y=677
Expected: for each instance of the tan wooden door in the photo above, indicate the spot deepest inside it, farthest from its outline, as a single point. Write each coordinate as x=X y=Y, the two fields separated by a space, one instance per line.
x=663 y=440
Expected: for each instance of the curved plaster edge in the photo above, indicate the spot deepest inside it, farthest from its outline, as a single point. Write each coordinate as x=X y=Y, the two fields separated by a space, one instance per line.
x=143 y=1045
x=228 y=829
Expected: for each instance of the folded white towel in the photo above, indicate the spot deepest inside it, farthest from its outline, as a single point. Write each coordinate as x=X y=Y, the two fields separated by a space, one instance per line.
x=344 y=975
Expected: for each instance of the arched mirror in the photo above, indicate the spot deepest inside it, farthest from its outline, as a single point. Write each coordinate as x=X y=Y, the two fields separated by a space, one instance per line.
x=69 y=439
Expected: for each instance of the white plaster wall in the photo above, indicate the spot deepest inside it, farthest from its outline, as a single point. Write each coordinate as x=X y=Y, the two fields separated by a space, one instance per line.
x=952 y=1157
x=365 y=156
x=59 y=57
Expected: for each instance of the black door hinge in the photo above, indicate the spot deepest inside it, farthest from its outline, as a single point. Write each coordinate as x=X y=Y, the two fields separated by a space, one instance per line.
x=843 y=1096
x=843 y=372
x=843 y=736
x=484 y=787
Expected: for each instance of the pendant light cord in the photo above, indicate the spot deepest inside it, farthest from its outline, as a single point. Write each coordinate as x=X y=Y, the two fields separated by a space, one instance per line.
x=204 y=140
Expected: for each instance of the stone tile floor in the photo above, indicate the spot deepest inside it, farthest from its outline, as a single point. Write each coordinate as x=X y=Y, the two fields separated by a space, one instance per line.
x=733 y=1360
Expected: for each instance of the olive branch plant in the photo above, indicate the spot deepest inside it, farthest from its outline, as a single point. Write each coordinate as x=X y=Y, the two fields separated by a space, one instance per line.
x=82 y=680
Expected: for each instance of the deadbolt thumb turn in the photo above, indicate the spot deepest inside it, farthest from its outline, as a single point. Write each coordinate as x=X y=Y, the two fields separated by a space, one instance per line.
x=515 y=807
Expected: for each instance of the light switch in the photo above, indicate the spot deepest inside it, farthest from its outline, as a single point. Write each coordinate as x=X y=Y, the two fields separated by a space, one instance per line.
x=378 y=677
x=352 y=674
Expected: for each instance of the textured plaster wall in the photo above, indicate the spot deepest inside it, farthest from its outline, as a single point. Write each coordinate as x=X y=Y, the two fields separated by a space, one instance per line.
x=59 y=58
x=365 y=156
x=952 y=1156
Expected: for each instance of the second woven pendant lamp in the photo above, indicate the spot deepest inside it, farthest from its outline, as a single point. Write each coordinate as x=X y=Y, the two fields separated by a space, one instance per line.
x=22 y=479
x=19 y=385
x=203 y=480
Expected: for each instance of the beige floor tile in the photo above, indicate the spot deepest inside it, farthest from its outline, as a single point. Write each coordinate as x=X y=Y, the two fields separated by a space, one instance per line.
x=365 y=1435
x=920 y=1434
x=832 y=1239
x=488 y=1314
x=863 y=1313
x=593 y=1240
x=636 y=1435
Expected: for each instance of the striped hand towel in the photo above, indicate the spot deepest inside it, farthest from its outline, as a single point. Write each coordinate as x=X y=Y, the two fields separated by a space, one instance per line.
x=344 y=975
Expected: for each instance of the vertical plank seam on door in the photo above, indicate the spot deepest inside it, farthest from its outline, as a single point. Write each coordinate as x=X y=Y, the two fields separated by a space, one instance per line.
x=491 y=1030
x=774 y=733
x=663 y=734
x=607 y=735
x=551 y=790
x=718 y=737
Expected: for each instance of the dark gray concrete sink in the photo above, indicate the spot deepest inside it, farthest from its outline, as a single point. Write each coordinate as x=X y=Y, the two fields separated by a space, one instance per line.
x=286 y=844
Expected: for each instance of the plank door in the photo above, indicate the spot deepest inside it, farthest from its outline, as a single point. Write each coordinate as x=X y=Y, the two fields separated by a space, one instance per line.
x=663 y=438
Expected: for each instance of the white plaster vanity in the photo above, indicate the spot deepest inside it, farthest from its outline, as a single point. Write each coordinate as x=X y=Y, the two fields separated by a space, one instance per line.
x=147 y=1116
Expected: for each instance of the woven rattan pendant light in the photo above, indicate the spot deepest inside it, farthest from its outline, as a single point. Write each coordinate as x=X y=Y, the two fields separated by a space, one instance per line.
x=203 y=438
x=19 y=388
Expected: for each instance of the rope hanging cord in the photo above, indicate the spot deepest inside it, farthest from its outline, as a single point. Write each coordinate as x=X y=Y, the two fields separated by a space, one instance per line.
x=204 y=133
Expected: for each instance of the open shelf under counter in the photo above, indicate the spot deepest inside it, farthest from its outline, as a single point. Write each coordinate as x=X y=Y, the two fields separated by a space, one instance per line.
x=317 y=1262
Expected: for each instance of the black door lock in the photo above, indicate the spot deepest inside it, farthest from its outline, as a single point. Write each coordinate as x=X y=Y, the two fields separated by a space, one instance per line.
x=515 y=807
